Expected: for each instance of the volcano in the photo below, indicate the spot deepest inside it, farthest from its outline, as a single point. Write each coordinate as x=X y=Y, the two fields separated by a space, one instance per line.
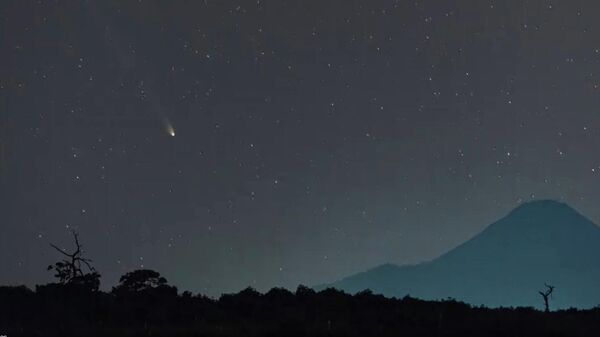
x=504 y=265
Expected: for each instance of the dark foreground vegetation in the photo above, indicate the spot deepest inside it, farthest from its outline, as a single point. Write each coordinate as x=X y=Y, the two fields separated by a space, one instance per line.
x=143 y=304
x=74 y=310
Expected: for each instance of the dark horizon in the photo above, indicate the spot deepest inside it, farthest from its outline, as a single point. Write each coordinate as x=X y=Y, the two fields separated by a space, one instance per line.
x=536 y=213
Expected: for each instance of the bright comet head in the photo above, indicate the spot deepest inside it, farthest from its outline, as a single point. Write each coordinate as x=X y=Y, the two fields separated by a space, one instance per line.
x=169 y=127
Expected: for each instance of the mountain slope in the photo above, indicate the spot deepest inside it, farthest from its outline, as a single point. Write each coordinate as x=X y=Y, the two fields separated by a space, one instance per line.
x=506 y=264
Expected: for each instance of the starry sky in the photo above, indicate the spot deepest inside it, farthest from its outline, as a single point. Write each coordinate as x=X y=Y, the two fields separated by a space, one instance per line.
x=263 y=143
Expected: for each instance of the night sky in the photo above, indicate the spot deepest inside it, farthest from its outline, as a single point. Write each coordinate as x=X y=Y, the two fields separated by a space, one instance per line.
x=229 y=144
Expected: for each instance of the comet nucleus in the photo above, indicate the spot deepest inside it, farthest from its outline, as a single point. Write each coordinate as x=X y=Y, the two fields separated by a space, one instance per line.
x=169 y=127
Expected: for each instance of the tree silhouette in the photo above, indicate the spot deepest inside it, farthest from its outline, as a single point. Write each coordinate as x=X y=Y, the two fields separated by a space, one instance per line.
x=547 y=294
x=140 y=280
x=70 y=270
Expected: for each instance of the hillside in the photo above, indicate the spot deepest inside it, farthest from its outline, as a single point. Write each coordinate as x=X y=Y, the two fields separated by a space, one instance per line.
x=506 y=264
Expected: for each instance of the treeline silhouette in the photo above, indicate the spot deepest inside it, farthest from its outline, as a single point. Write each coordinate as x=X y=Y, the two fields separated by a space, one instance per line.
x=144 y=304
x=75 y=310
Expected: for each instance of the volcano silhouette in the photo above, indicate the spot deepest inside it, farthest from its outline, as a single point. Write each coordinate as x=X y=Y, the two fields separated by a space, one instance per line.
x=505 y=265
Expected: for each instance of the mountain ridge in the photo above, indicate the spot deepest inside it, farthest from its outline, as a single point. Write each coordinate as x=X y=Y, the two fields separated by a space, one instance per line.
x=505 y=264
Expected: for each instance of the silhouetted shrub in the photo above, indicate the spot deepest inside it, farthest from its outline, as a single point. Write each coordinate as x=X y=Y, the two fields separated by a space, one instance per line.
x=139 y=280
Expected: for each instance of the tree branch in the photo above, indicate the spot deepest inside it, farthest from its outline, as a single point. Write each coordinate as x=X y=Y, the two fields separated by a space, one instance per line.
x=61 y=251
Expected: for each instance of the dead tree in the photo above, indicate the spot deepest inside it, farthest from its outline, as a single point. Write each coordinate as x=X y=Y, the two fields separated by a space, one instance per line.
x=71 y=269
x=546 y=294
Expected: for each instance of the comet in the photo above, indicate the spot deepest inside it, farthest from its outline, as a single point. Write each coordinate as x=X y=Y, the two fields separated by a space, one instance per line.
x=169 y=128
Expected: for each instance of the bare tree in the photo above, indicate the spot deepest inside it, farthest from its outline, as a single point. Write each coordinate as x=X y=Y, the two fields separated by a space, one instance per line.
x=547 y=294
x=71 y=269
